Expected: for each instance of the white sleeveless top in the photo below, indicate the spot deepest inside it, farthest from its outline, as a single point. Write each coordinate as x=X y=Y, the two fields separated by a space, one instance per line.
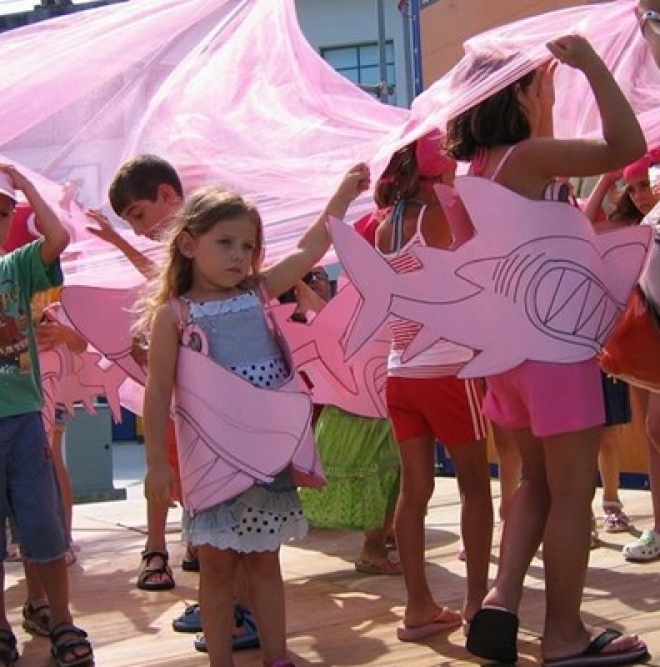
x=440 y=360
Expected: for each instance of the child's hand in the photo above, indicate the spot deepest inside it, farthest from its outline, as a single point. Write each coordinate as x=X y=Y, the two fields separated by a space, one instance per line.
x=308 y=299
x=613 y=176
x=159 y=483
x=105 y=231
x=140 y=351
x=546 y=83
x=573 y=50
x=49 y=335
x=356 y=181
x=18 y=179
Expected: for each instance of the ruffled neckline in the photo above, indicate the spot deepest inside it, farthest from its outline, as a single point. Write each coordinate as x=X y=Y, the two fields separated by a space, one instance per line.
x=234 y=304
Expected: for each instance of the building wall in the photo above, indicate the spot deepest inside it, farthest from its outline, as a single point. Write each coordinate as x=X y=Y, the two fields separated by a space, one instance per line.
x=446 y=24
x=332 y=23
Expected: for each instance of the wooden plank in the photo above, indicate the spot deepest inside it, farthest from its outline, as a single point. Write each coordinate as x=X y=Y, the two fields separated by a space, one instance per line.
x=335 y=615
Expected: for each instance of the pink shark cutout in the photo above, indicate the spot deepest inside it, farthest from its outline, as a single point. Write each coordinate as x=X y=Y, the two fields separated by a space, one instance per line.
x=357 y=387
x=103 y=317
x=536 y=283
x=231 y=434
x=69 y=378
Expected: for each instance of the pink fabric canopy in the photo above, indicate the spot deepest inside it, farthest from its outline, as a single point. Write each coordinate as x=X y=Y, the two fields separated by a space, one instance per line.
x=496 y=58
x=231 y=92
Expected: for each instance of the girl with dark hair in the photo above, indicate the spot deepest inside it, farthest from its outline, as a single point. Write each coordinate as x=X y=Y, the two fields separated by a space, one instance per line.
x=426 y=402
x=555 y=409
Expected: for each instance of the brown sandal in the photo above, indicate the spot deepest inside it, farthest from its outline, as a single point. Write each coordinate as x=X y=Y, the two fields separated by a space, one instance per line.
x=66 y=643
x=148 y=571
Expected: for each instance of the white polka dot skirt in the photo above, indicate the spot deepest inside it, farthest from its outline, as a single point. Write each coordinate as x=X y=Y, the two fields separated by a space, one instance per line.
x=259 y=519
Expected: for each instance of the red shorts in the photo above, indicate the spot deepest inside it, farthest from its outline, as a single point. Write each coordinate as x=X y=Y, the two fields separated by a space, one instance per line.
x=445 y=407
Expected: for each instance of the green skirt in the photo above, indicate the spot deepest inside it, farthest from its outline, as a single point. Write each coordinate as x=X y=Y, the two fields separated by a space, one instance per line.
x=361 y=462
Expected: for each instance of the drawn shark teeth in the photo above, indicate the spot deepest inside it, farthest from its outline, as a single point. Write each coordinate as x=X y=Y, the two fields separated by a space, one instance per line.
x=532 y=282
x=571 y=301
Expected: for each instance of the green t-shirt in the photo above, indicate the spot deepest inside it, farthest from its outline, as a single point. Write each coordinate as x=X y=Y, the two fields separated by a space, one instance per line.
x=22 y=274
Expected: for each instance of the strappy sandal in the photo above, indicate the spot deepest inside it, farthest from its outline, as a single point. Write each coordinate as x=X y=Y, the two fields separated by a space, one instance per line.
x=8 y=650
x=36 y=619
x=615 y=519
x=148 y=571
x=66 y=640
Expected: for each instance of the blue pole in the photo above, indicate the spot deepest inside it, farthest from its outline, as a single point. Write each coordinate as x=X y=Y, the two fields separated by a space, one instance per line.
x=416 y=46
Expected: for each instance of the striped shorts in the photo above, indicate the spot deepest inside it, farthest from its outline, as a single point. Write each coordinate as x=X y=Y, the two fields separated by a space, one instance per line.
x=444 y=407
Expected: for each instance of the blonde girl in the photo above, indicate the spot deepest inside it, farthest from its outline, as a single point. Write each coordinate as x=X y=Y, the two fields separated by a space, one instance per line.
x=212 y=279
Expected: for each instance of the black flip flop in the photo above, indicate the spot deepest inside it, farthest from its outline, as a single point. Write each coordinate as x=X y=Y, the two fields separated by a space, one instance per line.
x=595 y=656
x=493 y=635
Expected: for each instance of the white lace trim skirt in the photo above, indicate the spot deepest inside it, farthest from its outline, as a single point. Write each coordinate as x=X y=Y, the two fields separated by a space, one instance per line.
x=259 y=519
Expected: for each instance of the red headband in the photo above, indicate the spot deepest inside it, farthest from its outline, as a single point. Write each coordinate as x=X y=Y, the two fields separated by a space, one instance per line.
x=640 y=168
x=431 y=159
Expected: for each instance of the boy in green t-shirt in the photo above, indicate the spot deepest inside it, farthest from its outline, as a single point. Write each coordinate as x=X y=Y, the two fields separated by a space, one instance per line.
x=28 y=487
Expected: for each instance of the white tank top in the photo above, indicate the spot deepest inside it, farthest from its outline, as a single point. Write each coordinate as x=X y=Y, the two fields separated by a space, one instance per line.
x=443 y=358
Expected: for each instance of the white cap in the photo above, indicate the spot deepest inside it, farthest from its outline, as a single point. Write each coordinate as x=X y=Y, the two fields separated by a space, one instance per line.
x=7 y=186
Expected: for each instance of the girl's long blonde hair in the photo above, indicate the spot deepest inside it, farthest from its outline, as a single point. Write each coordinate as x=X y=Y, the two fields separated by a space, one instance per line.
x=204 y=209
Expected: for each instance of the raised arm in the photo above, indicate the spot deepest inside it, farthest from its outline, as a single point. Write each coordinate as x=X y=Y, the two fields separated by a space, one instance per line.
x=315 y=242
x=594 y=203
x=106 y=232
x=55 y=234
x=622 y=141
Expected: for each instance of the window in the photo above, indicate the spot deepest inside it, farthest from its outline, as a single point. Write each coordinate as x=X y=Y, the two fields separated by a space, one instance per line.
x=360 y=63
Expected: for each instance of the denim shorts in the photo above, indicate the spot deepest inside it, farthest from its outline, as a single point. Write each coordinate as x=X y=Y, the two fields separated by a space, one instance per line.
x=29 y=492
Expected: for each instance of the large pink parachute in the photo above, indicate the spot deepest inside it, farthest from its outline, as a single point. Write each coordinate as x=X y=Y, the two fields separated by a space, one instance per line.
x=496 y=58
x=231 y=93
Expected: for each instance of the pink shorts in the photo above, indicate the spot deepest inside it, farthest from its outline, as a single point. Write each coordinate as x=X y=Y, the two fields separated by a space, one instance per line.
x=445 y=407
x=549 y=399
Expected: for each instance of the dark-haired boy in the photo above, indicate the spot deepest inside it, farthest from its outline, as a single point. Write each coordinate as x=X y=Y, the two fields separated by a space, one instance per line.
x=146 y=191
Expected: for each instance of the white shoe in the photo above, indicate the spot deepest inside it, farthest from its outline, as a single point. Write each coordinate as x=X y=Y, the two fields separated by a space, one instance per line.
x=645 y=548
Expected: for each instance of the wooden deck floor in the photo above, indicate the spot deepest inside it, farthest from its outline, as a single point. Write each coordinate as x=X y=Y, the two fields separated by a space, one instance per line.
x=336 y=616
